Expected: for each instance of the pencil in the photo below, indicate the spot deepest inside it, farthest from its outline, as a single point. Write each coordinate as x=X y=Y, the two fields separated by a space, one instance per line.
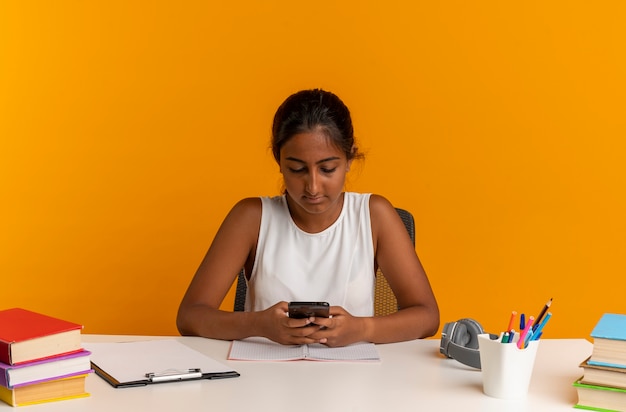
x=542 y=313
x=539 y=329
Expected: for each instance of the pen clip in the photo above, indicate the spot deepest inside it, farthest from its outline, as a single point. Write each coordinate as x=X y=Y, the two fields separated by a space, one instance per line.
x=174 y=375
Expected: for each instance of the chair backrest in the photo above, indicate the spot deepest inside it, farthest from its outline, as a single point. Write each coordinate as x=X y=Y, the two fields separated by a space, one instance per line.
x=384 y=299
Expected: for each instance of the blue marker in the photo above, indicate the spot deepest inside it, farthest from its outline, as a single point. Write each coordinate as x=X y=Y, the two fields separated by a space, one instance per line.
x=538 y=331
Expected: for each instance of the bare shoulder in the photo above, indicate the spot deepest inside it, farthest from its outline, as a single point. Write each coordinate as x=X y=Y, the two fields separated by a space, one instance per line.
x=380 y=208
x=246 y=213
x=248 y=206
x=386 y=223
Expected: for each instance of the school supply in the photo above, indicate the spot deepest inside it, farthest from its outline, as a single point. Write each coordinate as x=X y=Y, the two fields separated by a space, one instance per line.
x=506 y=369
x=531 y=328
x=600 y=398
x=45 y=370
x=41 y=358
x=609 y=341
x=27 y=336
x=49 y=391
x=603 y=384
x=140 y=363
x=262 y=349
x=603 y=375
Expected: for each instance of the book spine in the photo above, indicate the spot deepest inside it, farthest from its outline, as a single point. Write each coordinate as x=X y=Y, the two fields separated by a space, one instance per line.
x=6 y=395
x=5 y=352
x=4 y=377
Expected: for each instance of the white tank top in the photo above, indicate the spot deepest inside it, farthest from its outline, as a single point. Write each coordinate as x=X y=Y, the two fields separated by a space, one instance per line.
x=335 y=265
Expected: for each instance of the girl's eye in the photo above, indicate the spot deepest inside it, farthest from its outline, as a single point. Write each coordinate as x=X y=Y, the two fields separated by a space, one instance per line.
x=304 y=170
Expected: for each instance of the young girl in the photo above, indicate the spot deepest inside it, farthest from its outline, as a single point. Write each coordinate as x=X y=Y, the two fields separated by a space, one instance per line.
x=313 y=243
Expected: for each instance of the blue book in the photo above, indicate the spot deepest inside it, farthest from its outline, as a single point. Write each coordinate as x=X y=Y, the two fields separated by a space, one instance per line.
x=610 y=326
x=609 y=341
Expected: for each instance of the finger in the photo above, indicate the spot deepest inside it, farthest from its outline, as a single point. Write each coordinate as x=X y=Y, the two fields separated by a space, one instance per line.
x=325 y=322
x=336 y=310
x=303 y=331
x=299 y=323
x=302 y=341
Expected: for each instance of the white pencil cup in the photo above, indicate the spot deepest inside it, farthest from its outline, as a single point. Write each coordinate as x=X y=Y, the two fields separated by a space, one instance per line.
x=506 y=369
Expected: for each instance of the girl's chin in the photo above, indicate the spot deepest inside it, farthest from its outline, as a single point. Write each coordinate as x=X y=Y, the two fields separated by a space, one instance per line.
x=315 y=205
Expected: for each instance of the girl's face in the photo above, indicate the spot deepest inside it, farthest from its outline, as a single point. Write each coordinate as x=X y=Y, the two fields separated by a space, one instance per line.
x=314 y=171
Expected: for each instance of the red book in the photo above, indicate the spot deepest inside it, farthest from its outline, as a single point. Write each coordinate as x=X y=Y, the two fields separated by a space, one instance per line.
x=26 y=336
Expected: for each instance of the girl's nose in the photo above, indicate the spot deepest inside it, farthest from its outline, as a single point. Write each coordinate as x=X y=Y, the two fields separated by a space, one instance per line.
x=312 y=184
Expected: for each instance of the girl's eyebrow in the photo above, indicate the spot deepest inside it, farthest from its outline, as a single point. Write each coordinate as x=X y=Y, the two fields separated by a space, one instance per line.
x=328 y=159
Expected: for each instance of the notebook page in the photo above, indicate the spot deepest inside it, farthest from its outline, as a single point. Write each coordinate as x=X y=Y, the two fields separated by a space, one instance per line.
x=362 y=351
x=262 y=349
x=259 y=349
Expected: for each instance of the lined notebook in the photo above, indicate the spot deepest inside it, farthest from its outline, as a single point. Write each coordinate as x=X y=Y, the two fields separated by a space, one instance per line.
x=262 y=349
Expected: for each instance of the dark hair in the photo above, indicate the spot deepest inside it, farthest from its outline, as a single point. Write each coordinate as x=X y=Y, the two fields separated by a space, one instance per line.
x=308 y=110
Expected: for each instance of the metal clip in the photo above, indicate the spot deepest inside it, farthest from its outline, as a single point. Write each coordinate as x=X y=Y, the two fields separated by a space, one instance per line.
x=174 y=375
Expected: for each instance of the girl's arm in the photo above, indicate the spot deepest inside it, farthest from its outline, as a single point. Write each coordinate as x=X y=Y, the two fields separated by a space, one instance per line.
x=418 y=316
x=233 y=246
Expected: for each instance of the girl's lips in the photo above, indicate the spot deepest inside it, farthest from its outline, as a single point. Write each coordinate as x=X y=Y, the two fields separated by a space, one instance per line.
x=313 y=199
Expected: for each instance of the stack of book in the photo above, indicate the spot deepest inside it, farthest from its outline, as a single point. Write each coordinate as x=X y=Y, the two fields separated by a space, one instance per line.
x=603 y=385
x=41 y=358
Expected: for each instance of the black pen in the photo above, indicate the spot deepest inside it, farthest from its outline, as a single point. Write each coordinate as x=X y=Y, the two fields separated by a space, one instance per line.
x=542 y=313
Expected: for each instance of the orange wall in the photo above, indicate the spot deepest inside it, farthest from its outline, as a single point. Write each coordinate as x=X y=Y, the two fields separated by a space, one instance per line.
x=128 y=131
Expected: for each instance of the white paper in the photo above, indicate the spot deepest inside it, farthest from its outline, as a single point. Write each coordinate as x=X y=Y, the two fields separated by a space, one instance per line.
x=130 y=361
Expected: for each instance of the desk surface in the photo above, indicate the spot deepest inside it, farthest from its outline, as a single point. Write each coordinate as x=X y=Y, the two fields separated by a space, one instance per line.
x=412 y=376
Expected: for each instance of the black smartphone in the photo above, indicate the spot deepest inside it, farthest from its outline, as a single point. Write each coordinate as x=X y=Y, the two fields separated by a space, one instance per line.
x=301 y=310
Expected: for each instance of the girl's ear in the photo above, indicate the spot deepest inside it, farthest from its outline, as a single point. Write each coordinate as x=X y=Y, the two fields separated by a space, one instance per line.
x=354 y=149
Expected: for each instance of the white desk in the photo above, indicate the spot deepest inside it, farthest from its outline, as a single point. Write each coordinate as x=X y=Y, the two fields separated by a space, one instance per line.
x=412 y=376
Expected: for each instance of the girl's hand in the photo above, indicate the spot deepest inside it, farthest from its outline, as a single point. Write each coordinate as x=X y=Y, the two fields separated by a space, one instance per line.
x=280 y=328
x=340 y=329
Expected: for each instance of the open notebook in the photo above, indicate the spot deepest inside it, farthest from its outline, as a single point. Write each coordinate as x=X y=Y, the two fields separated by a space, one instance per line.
x=262 y=349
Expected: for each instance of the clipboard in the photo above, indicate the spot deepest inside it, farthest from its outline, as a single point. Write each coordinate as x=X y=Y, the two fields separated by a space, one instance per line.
x=141 y=363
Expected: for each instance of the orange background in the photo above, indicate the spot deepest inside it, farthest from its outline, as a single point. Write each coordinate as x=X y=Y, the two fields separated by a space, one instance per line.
x=129 y=129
